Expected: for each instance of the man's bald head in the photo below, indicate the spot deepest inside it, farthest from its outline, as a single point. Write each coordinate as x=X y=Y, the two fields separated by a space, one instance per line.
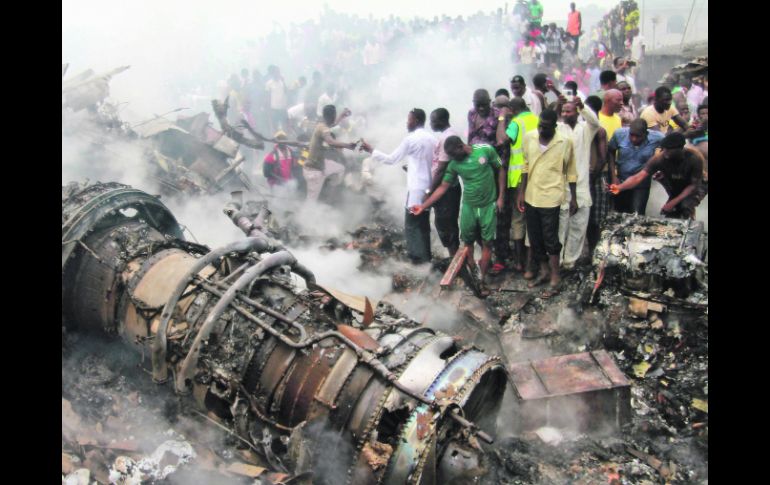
x=518 y=105
x=613 y=101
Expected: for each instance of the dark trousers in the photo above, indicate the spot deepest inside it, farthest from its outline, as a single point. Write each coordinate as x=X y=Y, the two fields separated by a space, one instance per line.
x=417 y=235
x=504 y=219
x=576 y=38
x=446 y=211
x=634 y=200
x=543 y=230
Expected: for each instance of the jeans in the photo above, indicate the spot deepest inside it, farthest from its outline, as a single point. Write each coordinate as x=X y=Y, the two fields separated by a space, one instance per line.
x=634 y=200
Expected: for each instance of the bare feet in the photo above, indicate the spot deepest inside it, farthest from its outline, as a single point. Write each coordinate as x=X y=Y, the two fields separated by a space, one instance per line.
x=542 y=278
x=528 y=275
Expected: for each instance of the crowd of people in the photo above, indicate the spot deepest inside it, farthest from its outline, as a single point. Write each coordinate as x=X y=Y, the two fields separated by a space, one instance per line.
x=540 y=165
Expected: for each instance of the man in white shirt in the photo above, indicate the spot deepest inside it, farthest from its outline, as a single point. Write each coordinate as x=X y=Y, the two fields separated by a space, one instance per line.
x=417 y=149
x=329 y=96
x=276 y=88
x=580 y=125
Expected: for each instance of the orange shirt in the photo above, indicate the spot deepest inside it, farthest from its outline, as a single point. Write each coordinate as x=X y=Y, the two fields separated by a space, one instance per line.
x=573 y=23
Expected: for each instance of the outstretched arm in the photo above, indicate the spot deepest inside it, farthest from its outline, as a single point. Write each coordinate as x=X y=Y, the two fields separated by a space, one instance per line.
x=337 y=144
x=440 y=191
x=220 y=111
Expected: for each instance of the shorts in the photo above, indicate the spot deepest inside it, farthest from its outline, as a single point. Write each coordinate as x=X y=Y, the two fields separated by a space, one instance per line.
x=475 y=220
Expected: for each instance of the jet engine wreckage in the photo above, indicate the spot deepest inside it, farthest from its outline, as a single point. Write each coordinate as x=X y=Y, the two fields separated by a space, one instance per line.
x=232 y=331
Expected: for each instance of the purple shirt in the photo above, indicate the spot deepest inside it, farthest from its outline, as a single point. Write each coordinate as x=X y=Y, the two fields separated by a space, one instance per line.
x=482 y=130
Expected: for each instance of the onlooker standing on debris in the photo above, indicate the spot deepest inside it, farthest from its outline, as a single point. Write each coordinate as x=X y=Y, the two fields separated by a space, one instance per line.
x=549 y=162
x=574 y=26
x=597 y=177
x=628 y=112
x=679 y=170
x=661 y=112
x=446 y=210
x=280 y=165
x=580 y=125
x=553 y=46
x=535 y=12
x=417 y=148
x=482 y=119
x=276 y=88
x=522 y=122
x=527 y=54
x=519 y=90
x=319 y=165
x=476 y=166
x=630 y=149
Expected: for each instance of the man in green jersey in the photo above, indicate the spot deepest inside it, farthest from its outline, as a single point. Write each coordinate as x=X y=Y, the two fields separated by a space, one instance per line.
x=476 y=166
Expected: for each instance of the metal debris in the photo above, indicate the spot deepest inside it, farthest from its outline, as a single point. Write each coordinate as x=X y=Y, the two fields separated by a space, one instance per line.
x=259 y=355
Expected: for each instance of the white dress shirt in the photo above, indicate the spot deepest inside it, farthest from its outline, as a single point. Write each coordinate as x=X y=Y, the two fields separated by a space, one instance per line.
x=582 y=136
x=417 y=149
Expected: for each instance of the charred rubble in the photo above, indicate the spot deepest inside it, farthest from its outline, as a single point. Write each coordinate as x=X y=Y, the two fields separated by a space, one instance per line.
x=300 y=377
x=629 y=331
x=188 y=156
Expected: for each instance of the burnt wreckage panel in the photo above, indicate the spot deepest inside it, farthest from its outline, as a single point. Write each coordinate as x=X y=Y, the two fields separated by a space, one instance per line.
x=231 y=330
x=658 y=259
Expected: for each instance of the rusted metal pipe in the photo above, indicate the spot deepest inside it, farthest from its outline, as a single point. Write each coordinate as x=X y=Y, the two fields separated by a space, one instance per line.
x=159 y=366
x=191 y=360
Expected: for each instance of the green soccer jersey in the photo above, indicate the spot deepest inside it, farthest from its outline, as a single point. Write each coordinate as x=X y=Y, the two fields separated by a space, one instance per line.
x=479 y=187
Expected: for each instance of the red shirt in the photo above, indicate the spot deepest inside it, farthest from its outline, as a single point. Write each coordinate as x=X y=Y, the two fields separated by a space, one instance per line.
x=573 y=23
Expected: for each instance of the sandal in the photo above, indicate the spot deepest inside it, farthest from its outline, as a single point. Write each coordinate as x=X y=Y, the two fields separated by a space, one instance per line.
x=497 y=268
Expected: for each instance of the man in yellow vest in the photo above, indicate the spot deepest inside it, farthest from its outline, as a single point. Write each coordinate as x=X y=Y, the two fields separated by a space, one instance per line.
x=522 y=122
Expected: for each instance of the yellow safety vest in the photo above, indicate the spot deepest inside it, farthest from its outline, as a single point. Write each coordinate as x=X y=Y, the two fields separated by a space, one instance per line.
x=527 y=122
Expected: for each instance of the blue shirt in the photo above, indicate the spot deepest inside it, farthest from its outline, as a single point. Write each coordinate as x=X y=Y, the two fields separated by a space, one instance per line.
x=630 y=159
